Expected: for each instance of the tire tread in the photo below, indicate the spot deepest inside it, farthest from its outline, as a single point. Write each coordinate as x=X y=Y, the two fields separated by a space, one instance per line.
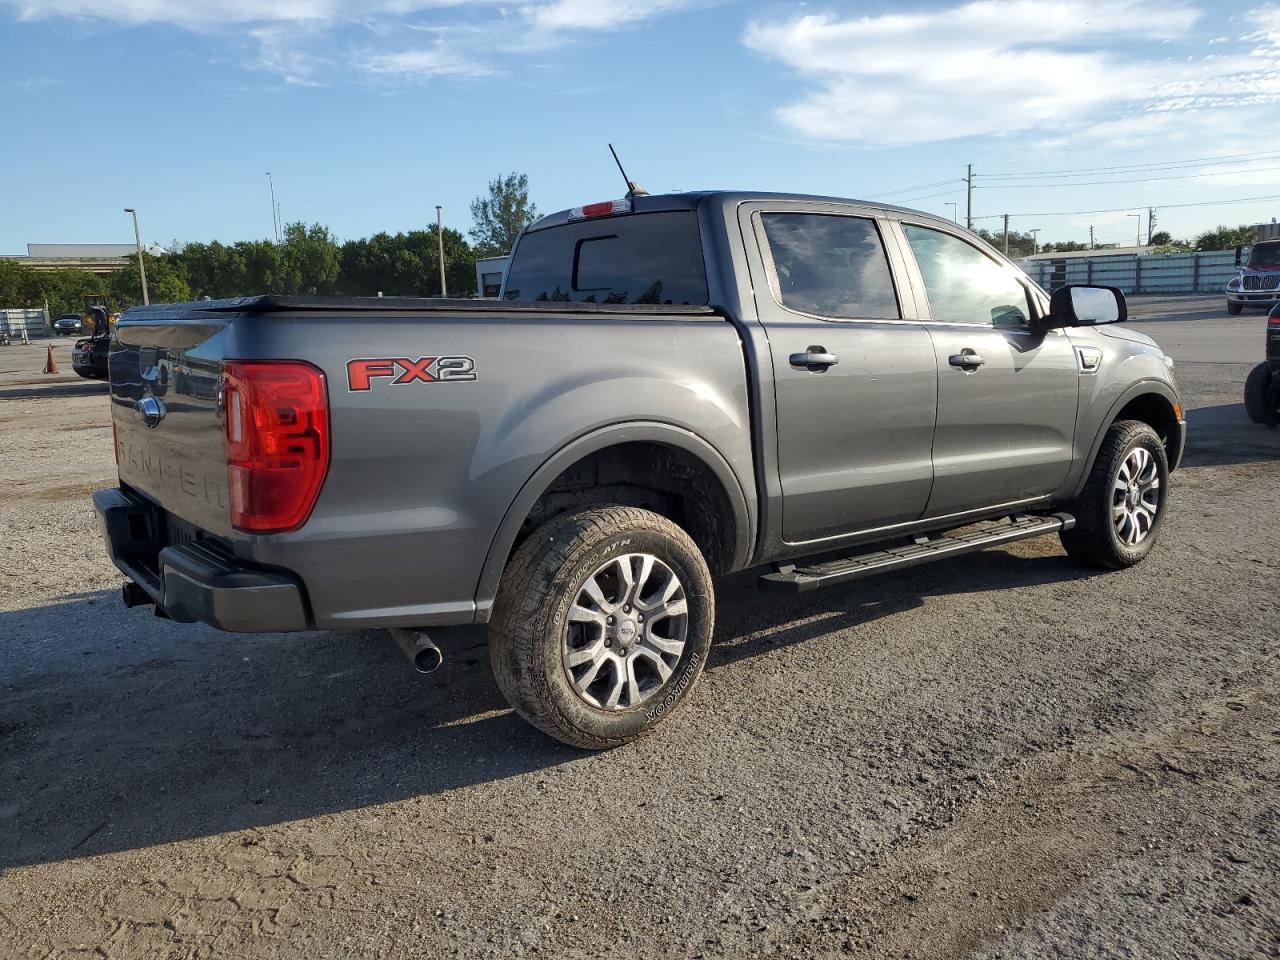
x=521 y=609
x=1090 y=540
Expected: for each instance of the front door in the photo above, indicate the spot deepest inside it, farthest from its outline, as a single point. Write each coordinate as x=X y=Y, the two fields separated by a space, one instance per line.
x=855 y=383
x=1007 y=392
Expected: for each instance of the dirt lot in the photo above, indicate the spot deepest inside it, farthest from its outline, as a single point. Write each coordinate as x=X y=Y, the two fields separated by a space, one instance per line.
x=1000 y=756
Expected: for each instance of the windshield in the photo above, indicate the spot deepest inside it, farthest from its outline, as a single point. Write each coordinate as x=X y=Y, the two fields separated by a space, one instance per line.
x=1264 y=256
x=636 y=258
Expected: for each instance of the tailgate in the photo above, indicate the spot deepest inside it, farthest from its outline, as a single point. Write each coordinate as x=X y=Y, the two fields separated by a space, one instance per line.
x=165 y=366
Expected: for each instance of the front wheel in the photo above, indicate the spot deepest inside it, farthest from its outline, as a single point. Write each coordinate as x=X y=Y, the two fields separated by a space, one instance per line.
x=1235 y=309
x=602 y=625
x=1118 y=515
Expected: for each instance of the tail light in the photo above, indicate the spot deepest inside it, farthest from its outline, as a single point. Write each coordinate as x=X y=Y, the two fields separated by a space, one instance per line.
x=606 y=208
x=277 y=430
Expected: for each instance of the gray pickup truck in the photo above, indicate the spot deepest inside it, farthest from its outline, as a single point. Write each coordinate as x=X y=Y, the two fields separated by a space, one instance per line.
x=670 y=389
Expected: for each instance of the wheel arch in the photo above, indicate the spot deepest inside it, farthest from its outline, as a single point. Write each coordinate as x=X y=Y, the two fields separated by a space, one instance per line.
x=735 y=533
x=1151 y=401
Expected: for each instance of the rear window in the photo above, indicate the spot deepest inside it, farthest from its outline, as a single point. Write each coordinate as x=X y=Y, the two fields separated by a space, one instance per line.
x=635 y=258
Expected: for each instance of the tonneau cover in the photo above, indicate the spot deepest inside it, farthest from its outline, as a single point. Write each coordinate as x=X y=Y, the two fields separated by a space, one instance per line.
x=275 y=303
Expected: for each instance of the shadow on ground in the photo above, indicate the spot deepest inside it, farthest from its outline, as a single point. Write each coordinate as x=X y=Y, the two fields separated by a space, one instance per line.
x=119 y=730
x=37 y=391
x=1224 y=434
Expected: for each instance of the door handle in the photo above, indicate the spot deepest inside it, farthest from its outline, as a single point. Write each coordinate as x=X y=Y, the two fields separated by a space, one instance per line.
x=966 y=358
x=814 y=358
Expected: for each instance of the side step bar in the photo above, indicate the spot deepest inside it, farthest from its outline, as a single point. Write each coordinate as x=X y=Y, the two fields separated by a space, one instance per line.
x=790 y=578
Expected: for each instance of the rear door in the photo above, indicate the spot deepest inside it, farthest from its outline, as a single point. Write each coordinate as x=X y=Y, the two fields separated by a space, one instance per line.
x=1007 y=391
x=855 y=382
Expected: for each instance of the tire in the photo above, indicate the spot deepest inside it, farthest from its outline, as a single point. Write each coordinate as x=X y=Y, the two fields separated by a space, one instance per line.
x=1235 y=309
x=1255 y=393
x=533 y=637
x=1100 y=538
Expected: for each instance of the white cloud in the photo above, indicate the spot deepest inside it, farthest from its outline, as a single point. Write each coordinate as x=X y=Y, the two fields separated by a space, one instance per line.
x=297 y=38
x=594 y=14
x=1006 y=66
x=434 y=61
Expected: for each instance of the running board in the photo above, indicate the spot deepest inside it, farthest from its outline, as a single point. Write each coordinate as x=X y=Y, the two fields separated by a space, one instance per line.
x=790 y=578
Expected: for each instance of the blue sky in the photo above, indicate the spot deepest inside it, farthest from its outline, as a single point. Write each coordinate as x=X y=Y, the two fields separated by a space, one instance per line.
x=369 y=114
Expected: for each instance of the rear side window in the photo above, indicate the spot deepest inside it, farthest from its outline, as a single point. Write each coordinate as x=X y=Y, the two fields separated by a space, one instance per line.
x=830 y=265
x=635 y=258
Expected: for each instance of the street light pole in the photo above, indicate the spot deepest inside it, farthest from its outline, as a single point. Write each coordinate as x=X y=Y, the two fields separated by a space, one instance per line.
x=142 y=270
x=1138 y=217
x=440 y=240
x=955 y=212
x=1035 y=244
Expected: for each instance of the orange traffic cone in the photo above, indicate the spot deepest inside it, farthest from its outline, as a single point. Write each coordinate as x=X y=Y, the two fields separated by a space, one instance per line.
x=50 y=365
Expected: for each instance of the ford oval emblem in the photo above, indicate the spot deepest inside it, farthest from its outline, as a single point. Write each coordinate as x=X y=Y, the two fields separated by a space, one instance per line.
x=151 y=408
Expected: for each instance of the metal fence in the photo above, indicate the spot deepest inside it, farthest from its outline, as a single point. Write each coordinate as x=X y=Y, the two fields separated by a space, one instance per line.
x=1157 y=273
x=14 y=322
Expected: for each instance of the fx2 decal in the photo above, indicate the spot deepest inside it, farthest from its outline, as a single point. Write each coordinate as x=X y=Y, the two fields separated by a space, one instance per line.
x=361 y=373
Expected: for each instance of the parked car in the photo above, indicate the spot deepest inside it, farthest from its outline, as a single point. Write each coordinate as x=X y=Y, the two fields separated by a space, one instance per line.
x=89 y=356
x=1262 y=386
x=671 y=388
x=68 y=324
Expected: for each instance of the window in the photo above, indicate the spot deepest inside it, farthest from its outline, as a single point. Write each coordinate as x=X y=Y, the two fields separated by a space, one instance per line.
x=635 y=258
x=964 y=284
x=832 y=266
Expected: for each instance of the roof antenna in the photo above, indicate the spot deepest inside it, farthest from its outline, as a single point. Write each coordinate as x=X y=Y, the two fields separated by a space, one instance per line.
x=633 y=189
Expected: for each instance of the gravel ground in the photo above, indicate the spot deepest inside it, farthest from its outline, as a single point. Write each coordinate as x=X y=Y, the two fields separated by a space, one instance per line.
x=1001 y=756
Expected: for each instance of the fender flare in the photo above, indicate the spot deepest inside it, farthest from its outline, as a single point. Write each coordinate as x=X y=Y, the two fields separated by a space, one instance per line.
x=1141 y=388
x=600 y=439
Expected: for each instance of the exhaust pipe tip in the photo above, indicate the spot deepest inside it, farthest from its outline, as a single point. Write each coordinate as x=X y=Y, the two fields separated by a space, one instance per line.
x=421 y=650
x=428 y=659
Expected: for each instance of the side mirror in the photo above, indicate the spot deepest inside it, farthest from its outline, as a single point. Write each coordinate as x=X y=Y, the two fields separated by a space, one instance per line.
x=1077 y=305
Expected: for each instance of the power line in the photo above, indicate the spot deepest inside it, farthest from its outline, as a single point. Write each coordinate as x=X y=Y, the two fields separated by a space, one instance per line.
x=1133 y=168
x=930 y=196
x=921 y=186
x=1160 y=206
x=1103 y=183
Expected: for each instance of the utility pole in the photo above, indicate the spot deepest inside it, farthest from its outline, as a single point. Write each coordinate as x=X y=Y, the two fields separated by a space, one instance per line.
x=440 y=240
x=1091 y=236
x=1035 y=243
x=1151 y=223
x=1006 y=234
x=968 y=196
x=142 y=270
x=275 y=210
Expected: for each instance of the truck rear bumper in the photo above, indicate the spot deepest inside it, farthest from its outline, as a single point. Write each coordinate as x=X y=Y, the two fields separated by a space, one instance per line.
x=192 y=582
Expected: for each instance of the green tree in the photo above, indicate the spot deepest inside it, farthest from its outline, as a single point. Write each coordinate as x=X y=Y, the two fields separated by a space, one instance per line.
x=1161 y=238
x=19 y=286
x=500 y=216
x=1225 y=238
x=66 y=289
x=212 y=269
x=165 y=283
x=263 y=267
x=407 y=265
x=310 y=260
x=1020 y=244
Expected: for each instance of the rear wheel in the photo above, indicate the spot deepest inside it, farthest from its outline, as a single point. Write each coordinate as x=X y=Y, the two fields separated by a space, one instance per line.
x=1118 y=515
x=1255 y=393
x=602 y=625
x=1235 y=309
